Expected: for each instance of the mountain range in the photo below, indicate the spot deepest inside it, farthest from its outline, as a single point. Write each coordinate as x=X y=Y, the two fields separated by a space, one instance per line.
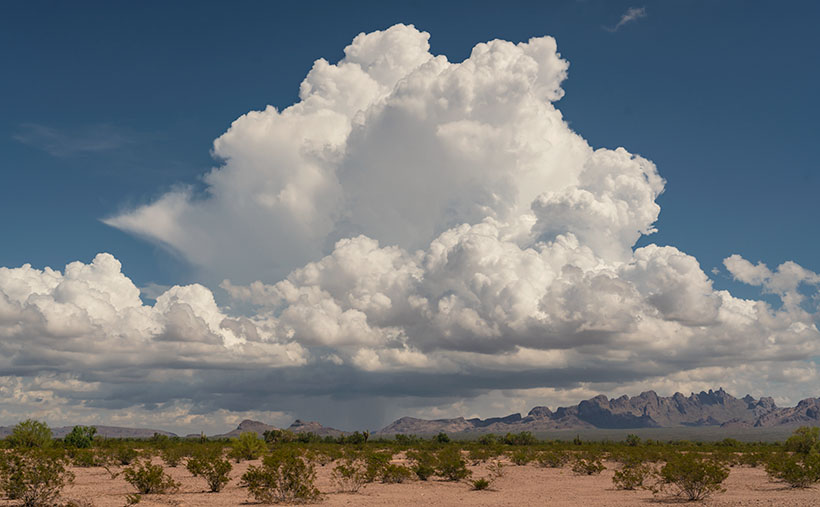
x=647 y=410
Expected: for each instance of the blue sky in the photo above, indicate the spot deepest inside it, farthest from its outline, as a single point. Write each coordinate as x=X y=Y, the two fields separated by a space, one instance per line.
x=720 y=95
x=107 y=107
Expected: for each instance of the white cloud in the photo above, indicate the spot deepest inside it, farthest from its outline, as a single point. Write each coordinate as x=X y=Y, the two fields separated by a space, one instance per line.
x=632 y=15
x=411 y=229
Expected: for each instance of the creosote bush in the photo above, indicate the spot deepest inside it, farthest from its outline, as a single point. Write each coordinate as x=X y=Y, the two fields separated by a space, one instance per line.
x=148 y=478
x=284 y=477
x=30 y=434
x=480 y=484
x=209 y=464
x=424 y=464
x=395 y=474
x=799 y=464
x=588 y=463
x=552 y=459
x=691 y=475
x=349 y=475
x=35 y=477
x=81 y=437
x=247 y=446
x=631 y=476
x=450 y=465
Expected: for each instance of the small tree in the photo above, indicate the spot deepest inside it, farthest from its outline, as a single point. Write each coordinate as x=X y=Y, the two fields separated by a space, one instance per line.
x=80 y=437
x=210 y=465
x=30 y=434
x=35 y=477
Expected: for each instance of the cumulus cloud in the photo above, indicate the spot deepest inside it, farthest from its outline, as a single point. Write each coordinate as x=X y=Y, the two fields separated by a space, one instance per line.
x=411 y=232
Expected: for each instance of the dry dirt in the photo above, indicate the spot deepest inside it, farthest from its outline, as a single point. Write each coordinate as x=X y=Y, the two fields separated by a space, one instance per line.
x=520 y=486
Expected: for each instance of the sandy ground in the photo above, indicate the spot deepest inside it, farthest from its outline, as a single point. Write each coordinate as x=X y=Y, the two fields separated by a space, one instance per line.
x=520 y=486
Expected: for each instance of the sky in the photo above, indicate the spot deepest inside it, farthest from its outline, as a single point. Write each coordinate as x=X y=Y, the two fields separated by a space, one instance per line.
x=213 y=211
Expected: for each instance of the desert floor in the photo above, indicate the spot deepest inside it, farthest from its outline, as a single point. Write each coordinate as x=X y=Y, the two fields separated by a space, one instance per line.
x=520 y=486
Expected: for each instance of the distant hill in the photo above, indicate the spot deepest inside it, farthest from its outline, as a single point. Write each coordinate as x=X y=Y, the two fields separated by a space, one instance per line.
x=298 y=426
x=103 y=431
x=647 y=410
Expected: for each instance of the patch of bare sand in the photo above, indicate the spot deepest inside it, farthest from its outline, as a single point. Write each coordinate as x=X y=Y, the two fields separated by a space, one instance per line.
x=520 y=486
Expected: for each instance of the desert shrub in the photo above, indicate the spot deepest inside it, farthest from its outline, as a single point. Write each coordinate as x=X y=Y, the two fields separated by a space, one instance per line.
x=424 y=464
x=247 y=446
x=442 y=438
x=632 y=440
x=479 y=455
x=349 y=475
x=123 y=454
x=522 y=456
x=149 y=479
x=480 y=484
x=588 y=463
x=80 y=437
x=450 y=465
x=173 y=455
x=523 y=438
x=284 y=477
x=211 y=466
x=799 y=463
x=796 y=469
x=132 y=499
x=552 y=459
x=804 y=440
x=396 y=474
x=278 y=436
x=375 y=464
x=488 y=439
x=30 y=434
x=496 y=469
x=631 y=476
x=692 y=475
x=82 y=457
x=407 y=440
x=35 y=477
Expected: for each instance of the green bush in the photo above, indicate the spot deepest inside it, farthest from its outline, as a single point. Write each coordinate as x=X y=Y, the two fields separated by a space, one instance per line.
x=375 y=463
x=796 y=469
x=173 y=455
x=82 y=457
x=349 y=475
x=804 y=440
x=631 y=476
x=35 y=477
x=480 y=484
x=522 y=456
x=80 y=437
x=552 y=459
x=523 y=438
x=123 y=454
x=396 y=474
x=424 y=464
x=149 y=479
x=588 y=463
x=692 y=475
x=247 y=446
x=278 y=436
x=442 y=438
x=450 y=465
x=284 y=477
x=209 y=464
x=30 y=434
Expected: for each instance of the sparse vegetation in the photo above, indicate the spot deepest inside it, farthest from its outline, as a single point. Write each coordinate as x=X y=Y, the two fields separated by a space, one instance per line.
x=588 y=463
x=798 y=464
x=451 y=465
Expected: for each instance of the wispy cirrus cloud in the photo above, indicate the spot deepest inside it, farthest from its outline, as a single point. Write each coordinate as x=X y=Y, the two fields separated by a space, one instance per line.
x=67 y=143
x=633 y=14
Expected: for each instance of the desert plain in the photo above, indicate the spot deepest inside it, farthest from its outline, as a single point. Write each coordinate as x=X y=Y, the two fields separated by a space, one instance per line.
x=519 y=486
